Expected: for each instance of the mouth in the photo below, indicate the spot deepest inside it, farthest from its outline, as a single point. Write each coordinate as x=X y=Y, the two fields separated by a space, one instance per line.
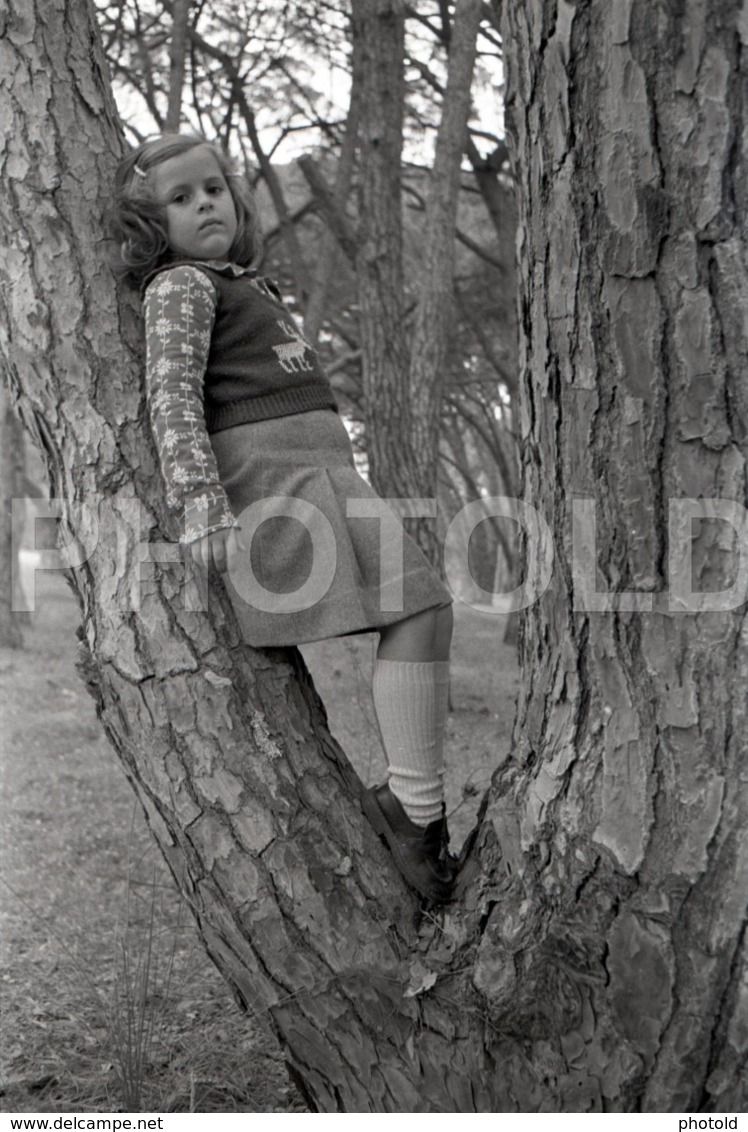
x=210 y=224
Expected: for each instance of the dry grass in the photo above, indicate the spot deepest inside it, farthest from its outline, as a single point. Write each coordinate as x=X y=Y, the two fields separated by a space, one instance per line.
x=93 y=929
x=120 y=1010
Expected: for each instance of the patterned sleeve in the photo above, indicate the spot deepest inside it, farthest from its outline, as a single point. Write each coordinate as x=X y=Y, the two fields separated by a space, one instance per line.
x=180 y=307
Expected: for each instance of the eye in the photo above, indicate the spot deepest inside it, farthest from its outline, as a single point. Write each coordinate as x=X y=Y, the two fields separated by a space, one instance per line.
x=178 y=198
x=216 y=189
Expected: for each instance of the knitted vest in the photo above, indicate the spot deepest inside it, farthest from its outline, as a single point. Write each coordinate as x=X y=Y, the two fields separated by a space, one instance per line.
x=259 y=365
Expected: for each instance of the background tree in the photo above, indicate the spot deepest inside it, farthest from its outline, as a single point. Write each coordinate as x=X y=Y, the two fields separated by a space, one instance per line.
x=403 y=366
x=595 y=957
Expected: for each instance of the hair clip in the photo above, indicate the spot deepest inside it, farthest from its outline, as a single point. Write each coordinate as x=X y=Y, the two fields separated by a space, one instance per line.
x=139 y=171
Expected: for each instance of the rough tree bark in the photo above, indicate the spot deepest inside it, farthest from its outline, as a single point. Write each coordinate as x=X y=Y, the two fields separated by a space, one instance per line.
x=622 y=814
x=378 y=32
x=595 y=957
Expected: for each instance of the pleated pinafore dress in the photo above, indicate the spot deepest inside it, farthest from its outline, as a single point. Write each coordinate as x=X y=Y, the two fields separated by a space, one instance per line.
x=322 y=562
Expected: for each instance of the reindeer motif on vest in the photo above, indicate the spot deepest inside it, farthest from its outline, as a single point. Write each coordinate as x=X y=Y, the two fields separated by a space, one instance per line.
x=291 y=354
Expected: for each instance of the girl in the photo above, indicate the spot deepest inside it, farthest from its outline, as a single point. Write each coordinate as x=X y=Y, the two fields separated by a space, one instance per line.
x=260 y=468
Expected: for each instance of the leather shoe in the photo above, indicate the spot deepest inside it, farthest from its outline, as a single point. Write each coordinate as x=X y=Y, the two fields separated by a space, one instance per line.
x=420 y=852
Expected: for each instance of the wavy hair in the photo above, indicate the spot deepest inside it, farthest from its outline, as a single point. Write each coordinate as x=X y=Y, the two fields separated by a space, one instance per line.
x=138 y=221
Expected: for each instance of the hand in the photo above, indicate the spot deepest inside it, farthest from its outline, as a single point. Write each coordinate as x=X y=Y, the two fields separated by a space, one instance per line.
x=218 y=549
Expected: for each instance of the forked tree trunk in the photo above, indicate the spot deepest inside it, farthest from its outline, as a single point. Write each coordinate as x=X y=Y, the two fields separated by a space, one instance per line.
x=593 y=959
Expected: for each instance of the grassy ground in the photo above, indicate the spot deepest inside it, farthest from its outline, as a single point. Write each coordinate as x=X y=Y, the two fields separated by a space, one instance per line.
x=108 y=1002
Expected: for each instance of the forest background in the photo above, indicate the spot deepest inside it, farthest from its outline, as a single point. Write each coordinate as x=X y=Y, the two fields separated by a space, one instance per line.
x=595 y=956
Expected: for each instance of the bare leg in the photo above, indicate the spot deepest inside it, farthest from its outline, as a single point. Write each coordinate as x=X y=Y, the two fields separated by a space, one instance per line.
x=426 y=636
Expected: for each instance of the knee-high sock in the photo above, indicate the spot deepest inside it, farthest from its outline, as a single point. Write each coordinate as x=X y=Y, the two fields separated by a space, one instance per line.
x=410 y=699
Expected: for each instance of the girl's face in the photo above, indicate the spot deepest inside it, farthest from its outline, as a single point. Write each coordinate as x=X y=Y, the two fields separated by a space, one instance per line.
x=200 y=214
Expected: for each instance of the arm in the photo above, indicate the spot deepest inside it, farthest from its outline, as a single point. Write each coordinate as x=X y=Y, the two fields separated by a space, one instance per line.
x=179 y=315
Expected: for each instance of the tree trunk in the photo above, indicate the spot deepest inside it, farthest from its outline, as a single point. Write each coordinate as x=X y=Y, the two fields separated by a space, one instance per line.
x=378 y=30
x=402 y=366
x=593 y=959
x=180 y=16
x=435 y=303
x=623 y=812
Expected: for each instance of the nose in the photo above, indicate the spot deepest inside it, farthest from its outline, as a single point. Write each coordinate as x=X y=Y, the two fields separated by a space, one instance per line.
x=204 y=201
